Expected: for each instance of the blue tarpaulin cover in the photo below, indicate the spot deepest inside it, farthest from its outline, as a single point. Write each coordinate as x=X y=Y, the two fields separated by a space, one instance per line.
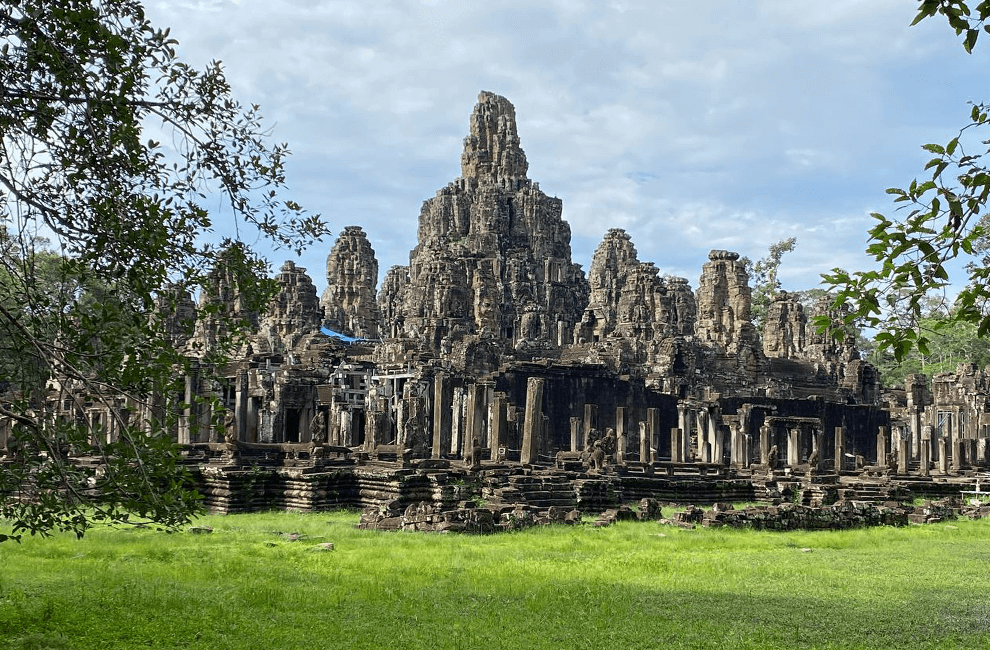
x=338 y=335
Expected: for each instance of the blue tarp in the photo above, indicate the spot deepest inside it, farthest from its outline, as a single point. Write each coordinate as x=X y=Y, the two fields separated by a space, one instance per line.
x=339 y=336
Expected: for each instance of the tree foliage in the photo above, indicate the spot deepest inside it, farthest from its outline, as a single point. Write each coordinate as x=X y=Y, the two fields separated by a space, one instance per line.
x=942 y=219
x=952 y=343
x=763 y=274
x=110 y=146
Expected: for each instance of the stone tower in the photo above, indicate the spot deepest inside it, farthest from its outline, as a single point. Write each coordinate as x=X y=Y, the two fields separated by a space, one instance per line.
x=784 y=331
x=493 y=260
x=177 y=311
x=349 y=304
x=613 y=261
x=295 y=311
x=221 y=302
x=724 y=303
x=630 y=300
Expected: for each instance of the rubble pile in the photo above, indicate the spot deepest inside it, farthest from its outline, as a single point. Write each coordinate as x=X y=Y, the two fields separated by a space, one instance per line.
x=840 y=515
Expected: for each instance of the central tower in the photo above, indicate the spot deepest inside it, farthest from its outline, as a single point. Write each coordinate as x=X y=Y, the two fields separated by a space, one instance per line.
x=493 y=262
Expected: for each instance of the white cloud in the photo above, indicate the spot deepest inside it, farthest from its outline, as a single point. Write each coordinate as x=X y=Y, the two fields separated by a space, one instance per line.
x=693 y=125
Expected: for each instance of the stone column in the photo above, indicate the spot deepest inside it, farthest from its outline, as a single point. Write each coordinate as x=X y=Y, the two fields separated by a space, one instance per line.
x=652 y=429
x=498 y=424
x=703 y=454
x=543 y=444
x=916 y=432
x=840 y=448
x=645 y=444
x=621 y=440
x=925 y=455
x=765 y=444
x=346 y=432
x=590 y=422
x=253 y=419
x=456 y=420
x=475 y=417
x=793 y=447
x=949 y=434
x=372 y=430
x=684 y=424
x=735 y=445
x=676 y=445
x=746 y=455
x=882 y=447
x=533 y=422
x=575 y=434
x=718 y=441
x=943 y=459
x=903 y=454
x=442 y=414
x=187 y=423
x=957 y=453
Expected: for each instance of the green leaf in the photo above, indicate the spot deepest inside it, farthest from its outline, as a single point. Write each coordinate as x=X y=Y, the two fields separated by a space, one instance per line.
x=970 y=42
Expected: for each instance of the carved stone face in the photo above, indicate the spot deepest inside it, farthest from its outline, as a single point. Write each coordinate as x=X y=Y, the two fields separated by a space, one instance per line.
x=456 y=303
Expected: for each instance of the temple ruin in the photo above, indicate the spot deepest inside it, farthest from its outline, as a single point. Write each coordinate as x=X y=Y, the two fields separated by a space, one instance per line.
x=493 y=367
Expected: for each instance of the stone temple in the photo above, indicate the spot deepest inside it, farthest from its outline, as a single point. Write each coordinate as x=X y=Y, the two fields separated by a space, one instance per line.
x=493 y=367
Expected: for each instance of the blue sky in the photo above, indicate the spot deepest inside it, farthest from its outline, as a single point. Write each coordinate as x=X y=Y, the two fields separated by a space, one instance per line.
x=693 y=126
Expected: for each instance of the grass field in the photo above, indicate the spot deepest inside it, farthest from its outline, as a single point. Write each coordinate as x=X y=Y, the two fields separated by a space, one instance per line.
x=633 y=585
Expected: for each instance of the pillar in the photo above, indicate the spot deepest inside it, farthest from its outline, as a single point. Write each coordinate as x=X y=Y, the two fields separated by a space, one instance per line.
x=943 y=459
x=765 y=444
x=676 y=445
x=346 y=433
x=717 y=436
x=882 y=448
x=590 y=422
x=916 y=432
x=903 y=454
x=575 y=434
x=498 y=425
x=456 y=420
x=684 y=424
x=373 y=430
x=957 y=452
x=533 y=421
x=652 y=429
x=187 y=423
x=645 y=444
x=925 y=456
x=928 y=435
x=840 y=448
x=621 y=442
x=475 y=412
x=442 y=412
x=793 y=446
x=735 y=444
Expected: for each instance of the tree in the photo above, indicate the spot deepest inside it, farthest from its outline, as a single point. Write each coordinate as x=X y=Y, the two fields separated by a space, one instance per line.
x=763 y=273
x=952 y=343
x=943 y=220
x=89 y=92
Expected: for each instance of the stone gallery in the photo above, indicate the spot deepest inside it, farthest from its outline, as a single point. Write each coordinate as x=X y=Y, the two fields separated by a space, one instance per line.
x=492 y=368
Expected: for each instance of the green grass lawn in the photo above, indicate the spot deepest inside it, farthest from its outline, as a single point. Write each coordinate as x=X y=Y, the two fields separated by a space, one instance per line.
x=633 y=585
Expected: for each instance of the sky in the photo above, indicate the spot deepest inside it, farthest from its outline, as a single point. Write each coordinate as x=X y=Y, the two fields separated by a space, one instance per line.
x=693 y=126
